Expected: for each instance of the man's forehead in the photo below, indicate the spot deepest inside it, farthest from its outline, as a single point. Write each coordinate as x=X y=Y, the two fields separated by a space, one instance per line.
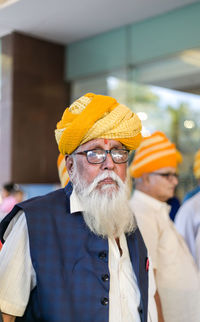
x=101 y=143
x=166 y=169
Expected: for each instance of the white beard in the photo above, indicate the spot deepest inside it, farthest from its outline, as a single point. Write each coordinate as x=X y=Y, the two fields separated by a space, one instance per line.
x=106 y=211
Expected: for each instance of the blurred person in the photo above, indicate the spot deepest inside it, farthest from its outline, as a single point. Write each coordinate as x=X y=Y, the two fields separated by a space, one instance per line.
x=188 y=217
x=196 y=171
x=18 y=195
x=78 y=253
x=10 y=195
x=8 y=198
x=197 y=242
x=154 y=169
x=187 y=222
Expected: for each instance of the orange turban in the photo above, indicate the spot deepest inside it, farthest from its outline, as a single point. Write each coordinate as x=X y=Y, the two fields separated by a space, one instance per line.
x=62 y=171
x=97 y=116
x=197 y=165
x=155 y=152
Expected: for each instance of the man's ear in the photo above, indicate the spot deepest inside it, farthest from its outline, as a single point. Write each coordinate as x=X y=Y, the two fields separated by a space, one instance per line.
x=69 y=162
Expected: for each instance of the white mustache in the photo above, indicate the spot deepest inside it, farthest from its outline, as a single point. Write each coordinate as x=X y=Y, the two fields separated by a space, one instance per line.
x=107 y=174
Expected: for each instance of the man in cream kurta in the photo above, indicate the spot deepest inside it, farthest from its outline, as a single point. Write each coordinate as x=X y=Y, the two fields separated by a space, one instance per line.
x=154 y=169
x=176 y=275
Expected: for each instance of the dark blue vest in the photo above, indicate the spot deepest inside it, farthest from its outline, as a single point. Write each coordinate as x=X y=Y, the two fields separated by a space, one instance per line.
x=71 y=263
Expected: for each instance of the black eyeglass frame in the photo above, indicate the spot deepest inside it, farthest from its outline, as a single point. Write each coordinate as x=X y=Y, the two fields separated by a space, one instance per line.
x=105 y=154
x=167 y=175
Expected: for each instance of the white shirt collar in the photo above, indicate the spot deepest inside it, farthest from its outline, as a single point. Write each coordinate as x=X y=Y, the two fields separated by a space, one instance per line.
x=75 y=203
x=153 y=203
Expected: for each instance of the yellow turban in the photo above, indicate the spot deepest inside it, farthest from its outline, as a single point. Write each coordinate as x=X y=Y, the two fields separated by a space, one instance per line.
x=62 y=171
x=96 y=116
x=155 y=152
x=197 y=165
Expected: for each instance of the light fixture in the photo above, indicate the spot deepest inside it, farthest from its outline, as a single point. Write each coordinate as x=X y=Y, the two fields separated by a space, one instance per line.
x=189 y=124
x=113 y=82
x=142 y=116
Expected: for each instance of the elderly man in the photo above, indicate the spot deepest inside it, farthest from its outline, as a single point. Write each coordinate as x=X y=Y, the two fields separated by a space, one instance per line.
x=76 y=254
x=155 y=171
x=188 y=217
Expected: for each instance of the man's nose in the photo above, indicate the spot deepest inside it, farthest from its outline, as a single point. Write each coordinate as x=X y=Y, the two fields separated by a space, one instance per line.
x=108 y=164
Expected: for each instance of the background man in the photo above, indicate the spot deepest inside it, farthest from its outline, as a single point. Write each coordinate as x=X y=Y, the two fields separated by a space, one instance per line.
x=187 y=222
x=196 y=170
x=188 y=217
x=10 y=195
x=155 y=171
x=74 y=260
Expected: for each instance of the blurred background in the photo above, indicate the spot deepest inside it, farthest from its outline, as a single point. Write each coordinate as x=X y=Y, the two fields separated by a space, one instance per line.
x=146 y=54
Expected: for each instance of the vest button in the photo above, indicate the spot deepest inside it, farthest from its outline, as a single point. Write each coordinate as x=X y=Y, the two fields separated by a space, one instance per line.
x=104 y=301
x=105 y=277
x=140 y=310
x=102 y=255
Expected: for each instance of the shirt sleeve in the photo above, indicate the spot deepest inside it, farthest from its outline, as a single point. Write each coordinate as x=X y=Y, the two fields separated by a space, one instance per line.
x=17 y=276
x=181 y=218
x=197 y=243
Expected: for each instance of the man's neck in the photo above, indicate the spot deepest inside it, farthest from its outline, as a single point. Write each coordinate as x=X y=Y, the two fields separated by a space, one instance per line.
x=147 y=192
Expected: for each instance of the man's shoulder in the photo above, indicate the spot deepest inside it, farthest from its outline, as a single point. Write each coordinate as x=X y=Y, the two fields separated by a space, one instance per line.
x=41 y=208
x=140 y=201
x=195 y=198
x=188 y=212
x=43 y=198
x=50 y=198
x=191 y=193
x=191 y=202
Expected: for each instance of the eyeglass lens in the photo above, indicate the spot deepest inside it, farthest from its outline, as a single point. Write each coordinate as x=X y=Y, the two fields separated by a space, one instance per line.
x=99 y=156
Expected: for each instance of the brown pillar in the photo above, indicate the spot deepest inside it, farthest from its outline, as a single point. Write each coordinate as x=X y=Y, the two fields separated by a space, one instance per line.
x=38 y=98
x=6 y=108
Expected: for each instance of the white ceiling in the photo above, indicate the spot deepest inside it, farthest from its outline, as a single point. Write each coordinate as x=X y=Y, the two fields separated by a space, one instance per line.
x=65 y=21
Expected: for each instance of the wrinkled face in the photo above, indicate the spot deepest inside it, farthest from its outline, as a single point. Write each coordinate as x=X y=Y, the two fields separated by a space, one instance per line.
x=90 y=171
x=102 y=188
x=162 y=187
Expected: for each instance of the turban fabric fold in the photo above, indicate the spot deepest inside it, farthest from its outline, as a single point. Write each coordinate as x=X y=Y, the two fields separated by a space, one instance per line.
x=155 y=152
x=197 y=165
x=62 y=171
x=96 y=116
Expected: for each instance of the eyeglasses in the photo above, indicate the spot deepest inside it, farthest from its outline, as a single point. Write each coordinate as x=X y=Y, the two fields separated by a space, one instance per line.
x=97 y=156
x=168 y=175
